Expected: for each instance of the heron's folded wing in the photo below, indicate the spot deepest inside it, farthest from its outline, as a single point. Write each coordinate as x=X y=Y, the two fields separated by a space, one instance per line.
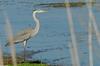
x=22 y=36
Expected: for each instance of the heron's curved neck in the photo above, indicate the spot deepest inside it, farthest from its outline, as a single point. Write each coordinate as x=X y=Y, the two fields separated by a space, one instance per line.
x=37 y=26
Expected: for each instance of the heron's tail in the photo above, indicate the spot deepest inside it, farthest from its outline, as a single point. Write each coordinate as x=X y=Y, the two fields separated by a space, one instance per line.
x=7 y=44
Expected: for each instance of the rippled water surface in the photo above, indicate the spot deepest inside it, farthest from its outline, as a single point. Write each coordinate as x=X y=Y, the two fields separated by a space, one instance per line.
x=54 y=34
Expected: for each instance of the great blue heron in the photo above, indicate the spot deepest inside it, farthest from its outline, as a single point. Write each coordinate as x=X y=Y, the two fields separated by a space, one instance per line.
x=28 y=33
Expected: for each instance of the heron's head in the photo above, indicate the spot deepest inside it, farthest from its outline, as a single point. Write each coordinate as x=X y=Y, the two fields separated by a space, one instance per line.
x=39 y=11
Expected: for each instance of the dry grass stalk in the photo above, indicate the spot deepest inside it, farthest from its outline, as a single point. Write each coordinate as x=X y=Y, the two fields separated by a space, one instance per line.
x=1 y=57
x=10 y=38
x=74 y=50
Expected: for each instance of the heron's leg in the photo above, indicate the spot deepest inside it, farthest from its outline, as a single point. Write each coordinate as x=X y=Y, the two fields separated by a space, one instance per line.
x=25 y=42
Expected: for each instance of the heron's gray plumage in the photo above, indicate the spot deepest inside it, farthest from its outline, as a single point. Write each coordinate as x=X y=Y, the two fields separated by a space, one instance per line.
x=22 y=36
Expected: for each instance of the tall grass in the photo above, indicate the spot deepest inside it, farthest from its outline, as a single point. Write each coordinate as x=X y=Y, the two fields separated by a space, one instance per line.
x=74 y=50
x=74 y=53
x=10 y=38
x=1 y=57
x=92 y=24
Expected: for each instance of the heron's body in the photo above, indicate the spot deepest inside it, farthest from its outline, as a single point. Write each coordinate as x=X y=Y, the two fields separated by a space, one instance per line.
x=28 y=33
x=22 y=36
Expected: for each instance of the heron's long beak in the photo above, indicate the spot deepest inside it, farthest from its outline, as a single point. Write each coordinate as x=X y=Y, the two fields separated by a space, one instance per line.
x=44 y=11
x=40 y=11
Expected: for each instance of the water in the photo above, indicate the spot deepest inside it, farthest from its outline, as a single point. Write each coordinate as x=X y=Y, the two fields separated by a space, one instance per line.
x=54 y=31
